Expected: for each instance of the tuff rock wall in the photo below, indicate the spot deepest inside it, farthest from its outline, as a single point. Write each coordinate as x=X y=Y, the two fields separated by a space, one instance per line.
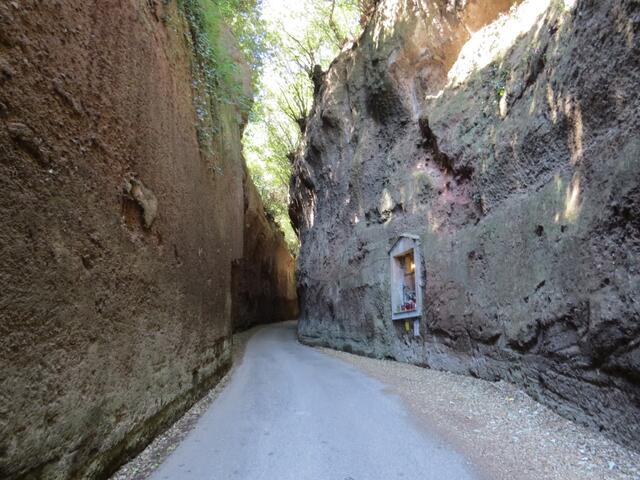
x=122 y=209
x=264 y=284
x=505 y=135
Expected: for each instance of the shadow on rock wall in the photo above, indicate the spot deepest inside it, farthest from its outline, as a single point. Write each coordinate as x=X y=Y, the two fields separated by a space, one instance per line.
x=520 y=177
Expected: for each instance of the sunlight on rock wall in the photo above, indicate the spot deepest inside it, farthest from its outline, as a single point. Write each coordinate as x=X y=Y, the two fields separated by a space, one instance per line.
x=494 y=40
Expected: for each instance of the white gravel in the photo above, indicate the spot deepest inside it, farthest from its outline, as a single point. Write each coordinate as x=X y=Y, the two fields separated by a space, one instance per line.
x=505 y=433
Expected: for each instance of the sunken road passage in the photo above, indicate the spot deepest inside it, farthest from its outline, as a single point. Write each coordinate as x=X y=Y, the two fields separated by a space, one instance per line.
x=291 y=412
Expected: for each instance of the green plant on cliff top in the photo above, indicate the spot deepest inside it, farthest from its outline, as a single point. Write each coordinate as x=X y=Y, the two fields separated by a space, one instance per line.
x=206 y=19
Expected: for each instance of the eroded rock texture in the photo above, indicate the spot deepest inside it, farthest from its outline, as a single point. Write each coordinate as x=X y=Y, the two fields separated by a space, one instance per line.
x=118 y=232
x=509 y=144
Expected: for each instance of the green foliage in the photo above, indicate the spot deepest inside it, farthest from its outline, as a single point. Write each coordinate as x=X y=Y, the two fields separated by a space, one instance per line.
x=284 y=43
x=220 y=71
x=269 y=141
x=500 y=84
x=301 y=36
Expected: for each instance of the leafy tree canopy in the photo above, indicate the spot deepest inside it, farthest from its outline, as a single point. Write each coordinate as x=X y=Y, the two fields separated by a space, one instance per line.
x=287 y=44
x=301 y=36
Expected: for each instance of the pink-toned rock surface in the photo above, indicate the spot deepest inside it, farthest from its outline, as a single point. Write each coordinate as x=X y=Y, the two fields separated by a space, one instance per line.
x=512 y=153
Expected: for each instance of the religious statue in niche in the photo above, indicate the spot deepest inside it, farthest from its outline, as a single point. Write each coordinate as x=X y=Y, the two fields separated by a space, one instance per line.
x=406 y=281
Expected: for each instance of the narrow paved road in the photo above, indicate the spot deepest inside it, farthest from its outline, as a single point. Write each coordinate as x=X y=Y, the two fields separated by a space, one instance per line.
x=292 y=412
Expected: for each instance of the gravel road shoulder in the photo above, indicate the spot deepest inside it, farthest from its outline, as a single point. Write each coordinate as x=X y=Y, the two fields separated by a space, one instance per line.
x=505 y=433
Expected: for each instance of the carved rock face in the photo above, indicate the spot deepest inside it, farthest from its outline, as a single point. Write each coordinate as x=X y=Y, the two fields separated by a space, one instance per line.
x=116 y=304
x=518 y=171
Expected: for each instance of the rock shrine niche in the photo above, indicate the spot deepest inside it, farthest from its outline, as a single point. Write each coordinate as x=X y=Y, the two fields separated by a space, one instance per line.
x=406 y=281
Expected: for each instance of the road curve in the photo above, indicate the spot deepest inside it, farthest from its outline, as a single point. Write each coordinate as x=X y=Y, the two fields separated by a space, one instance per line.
x=291 y=412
